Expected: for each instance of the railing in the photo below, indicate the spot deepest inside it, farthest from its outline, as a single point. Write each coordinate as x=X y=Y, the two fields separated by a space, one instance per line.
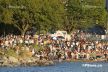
x=95 y=37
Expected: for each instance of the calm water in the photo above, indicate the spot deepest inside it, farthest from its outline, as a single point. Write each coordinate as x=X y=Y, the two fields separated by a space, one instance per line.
x=62 y=67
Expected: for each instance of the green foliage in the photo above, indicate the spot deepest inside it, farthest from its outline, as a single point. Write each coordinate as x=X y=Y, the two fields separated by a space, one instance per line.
x=49 y=15
x=74 y=17
x=38 y=48
x=11 y=52
x=84 y=13
x=43 y=14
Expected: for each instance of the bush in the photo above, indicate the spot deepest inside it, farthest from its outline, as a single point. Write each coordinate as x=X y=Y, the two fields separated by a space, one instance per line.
x=38 y=48
x=11 y=52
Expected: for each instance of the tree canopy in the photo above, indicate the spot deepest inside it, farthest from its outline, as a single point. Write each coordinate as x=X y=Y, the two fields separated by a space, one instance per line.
x=49 y=15
x=84 y=13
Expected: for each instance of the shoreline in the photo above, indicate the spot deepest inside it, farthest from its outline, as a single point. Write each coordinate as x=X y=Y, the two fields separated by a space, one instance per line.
x=39 y=63
x=44 y=63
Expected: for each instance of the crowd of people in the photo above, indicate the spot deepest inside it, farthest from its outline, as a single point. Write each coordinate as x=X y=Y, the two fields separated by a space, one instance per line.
x=77 y=48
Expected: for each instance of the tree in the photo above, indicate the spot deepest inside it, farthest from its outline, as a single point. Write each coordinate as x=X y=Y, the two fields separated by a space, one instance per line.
x=51 y=15
x=23 y=14
x=82 y=14
x=73 y=15
x=48 y=15
x=25 y=17
x=6 y=14
x=95 y=11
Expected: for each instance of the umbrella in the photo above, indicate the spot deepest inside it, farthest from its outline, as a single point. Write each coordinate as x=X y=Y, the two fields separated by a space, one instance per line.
x=60 y=37
x=54 y=38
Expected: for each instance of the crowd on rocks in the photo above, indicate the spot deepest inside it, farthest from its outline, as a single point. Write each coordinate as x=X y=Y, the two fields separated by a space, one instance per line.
x=13 y=40
x=77 y=48
x=16 y=41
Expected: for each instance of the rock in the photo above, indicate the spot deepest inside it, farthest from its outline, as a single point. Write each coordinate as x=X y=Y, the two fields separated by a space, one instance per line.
x=44 y=62
x=12 y=59
x=10 y=62
x=29 y=54
x=32 y=61
x=51 y=62
x=4 y=58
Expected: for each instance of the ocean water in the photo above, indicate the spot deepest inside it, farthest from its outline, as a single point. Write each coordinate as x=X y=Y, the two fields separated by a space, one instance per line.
x=62 y=67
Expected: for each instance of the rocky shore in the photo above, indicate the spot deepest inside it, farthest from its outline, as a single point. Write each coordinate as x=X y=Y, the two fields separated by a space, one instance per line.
x=13 y=62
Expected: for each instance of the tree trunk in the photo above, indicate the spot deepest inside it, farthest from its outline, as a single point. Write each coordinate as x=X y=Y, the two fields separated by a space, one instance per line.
x=23 y=33
x=23 y=29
